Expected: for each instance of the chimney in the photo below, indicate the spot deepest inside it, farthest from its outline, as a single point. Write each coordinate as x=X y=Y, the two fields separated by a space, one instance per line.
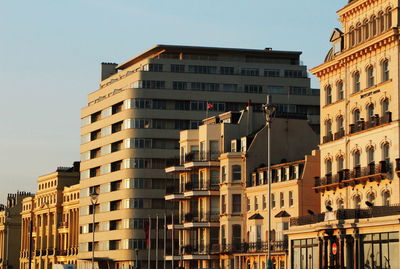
x=107 y=70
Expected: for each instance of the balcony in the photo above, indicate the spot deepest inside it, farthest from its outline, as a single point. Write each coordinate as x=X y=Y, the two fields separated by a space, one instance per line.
x=255 y=247
x=173 y=193
x=359 y=175
x=174 y=164
x=327 y=138
x=200 y=189
x=339 y=134
x=194 y=249
x=201 y=159
x=348 y=214
x=375 y=121
x=205 y=220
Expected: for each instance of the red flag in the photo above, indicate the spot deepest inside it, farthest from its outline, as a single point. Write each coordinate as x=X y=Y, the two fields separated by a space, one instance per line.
x=147 y=231
x=210 y=106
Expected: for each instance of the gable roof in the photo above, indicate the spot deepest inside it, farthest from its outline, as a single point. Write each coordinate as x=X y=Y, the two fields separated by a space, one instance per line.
x=256 y=216
x=336 y=35
x=282 y=214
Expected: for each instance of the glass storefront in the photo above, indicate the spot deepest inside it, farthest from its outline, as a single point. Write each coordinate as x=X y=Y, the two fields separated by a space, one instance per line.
x=305 y=254
x=380 y=250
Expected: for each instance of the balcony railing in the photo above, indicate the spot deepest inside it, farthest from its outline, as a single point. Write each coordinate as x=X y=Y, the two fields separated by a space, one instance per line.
x=206 y=217
x=175 y=161
x=327 y=138
x=200 y=249
x=339 y=134
x=373 y=122
x=201 y=156
x=261 y=246
x=358 y=173
x=201 y=186
x=172 y=190
x=346 y=214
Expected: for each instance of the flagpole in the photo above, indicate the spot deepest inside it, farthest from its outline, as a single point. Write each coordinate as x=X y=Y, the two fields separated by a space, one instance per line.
x=149 y=253
x=172 y=239
x=207 y=110
x=165 y=240
x=157 y=242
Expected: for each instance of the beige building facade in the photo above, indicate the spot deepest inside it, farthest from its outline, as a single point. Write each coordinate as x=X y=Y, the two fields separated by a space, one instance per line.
x=359 y=183
x=10 y=227
x=49 y=231
x=130 y=129
x=222 y=200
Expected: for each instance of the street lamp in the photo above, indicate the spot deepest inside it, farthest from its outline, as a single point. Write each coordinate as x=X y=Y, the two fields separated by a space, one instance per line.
x=93 y=199
x=136 y=258
x=269 y=112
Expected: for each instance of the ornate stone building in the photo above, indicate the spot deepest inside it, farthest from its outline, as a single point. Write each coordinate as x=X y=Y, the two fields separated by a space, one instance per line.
x=359 y=183
x=50 y=230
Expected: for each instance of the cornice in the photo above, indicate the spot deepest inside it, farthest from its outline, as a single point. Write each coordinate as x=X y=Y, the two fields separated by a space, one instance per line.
x=350 y=55
x=354 y=7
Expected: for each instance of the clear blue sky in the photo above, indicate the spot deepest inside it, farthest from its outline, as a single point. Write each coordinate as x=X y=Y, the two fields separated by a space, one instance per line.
x=50 y=54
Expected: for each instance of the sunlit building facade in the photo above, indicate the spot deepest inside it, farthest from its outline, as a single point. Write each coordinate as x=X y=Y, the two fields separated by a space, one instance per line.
x=359 y=182
x=130 y=129
x=49 y=231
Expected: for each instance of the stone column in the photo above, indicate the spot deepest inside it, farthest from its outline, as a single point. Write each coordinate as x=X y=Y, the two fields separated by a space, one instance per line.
x=356 y=249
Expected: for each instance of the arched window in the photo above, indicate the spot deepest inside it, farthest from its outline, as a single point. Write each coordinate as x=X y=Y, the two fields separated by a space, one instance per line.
x=370 y=76
x=370 y=111
x=385 y=70
x=351 y=37
x=356 y=159
x=339 y=124
x=340 y=163
x=328 y=167
x=386 y=152
x=328 y=92
x=386 y=198
x=388 y=17
x=370 y=155
x=356 y=116
x=366 y=29
x=340 y=92
x=328 y=127
x=381 y=22
x=371 y=197
x=340 y=203
x=356 y=81
x=385 y=106
x=359 y=33
x=373 y=26
x=357 y=201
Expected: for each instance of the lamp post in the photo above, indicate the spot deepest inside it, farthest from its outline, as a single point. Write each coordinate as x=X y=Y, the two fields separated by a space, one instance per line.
x=136 y=258
x=93 y=199
x=269 y=111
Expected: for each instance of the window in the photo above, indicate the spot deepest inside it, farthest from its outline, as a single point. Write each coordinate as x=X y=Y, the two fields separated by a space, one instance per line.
x=328 y=167
x=370 y=155
x=223 y=204
x=340 y=204
x=249 y=72
x=370 y=76
x=226 y=70
x=356 y=158
x=271 y=72
x=357 y=201
x=356 y=82
x=116 y=146
x=291 y=200
x=386 y=198
x=95 y=117
x=385 y=70
x=356 y=116
x=359 y=33
x=340 y=163
x=255 y=203
x=373 y=26
x=282 y=199
x=94 y=153
x=370 y=111
x=371 y=197
x=236 y=235
x=328 y=126
x=202 y=69
x=366 y=29
x=273 y=203
x=236 y=203
x=264 y=202
x=248 y=204
x=385 y=106
x=223 y=173
x=339 y=124
x=352 y=37
x=177 y=68
x=116 y=127
x=179 y=85
x=385 y=152
x=253 y=88
x=340 y=91
x=236 y=173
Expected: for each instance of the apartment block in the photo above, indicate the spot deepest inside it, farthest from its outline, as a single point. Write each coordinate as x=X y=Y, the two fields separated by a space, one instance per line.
x=10 y=226
x=49 y=231
x=222 y=188
x=130 y=128
x=359 y=181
